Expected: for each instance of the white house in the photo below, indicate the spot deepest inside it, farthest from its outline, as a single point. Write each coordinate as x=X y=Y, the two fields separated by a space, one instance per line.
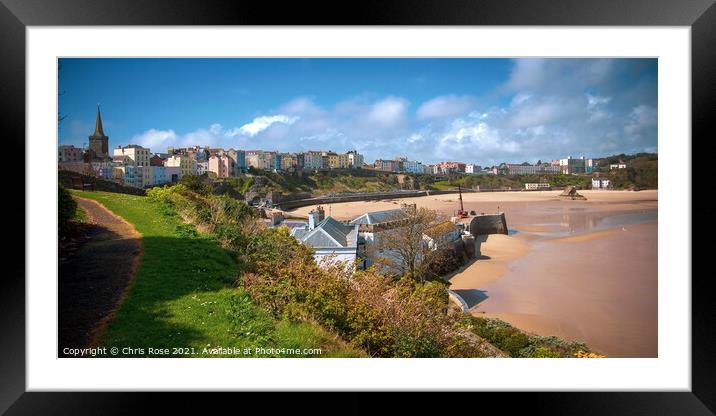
x=332 y=241
x=536 y=186
x=473 y=169
x=441 y=235
x=601 y=183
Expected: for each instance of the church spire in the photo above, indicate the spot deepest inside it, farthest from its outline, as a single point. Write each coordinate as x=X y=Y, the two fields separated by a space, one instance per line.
x=98 y=131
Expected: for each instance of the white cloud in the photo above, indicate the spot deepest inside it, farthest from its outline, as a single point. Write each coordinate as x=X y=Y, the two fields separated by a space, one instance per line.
x=546 y=109
x=389 y=112
x=216 y=128
x=594 y=101
x=537 y=114
x=641 y=118
x=596 y=107
x=155 y=139
x=260 y=124
x=446 y=106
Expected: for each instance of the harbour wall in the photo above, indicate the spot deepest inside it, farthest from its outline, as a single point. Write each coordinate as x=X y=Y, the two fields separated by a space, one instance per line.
x=289 y=205
x=488 y=224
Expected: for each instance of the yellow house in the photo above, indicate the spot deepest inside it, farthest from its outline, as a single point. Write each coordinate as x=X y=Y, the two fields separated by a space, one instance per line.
x=186 y=163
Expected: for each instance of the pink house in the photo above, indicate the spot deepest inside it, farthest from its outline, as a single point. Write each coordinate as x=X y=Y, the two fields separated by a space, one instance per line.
x=222 y=166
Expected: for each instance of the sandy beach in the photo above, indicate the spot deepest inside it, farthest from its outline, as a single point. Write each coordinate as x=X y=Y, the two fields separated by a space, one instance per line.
x=582 y=270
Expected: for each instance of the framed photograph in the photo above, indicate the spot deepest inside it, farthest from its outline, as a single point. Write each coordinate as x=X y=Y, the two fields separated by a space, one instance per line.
x=465 y=197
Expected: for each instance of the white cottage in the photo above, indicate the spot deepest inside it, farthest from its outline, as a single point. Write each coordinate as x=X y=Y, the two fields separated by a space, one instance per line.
x=333 y=241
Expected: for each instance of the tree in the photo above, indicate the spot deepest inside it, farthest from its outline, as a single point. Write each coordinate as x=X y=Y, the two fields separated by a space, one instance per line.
x=399 y=246
x=60 y=117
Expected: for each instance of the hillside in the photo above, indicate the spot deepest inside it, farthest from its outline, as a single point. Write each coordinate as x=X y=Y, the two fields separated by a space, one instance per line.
x=184 y=294
x=211 y=275
x=642 y=171
x=322 y=183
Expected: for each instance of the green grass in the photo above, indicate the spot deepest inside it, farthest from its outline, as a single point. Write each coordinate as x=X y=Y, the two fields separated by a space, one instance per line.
x=184 y=297
x=80 y=215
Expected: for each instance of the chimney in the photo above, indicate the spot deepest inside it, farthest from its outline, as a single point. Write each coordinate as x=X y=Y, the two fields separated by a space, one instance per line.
x=315 y=216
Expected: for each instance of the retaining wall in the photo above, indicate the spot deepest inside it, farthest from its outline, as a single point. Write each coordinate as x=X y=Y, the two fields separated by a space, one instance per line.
x=289 y=205
x=488 y=224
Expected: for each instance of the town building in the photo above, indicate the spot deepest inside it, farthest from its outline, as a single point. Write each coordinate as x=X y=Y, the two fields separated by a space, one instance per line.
x=156 y=160
x=601 y=183
x=472 y=168
x=441 y=235
x=527 y=169
x=620 y=165
x=135 y=154
x=332 y=241
x=157 y=175
x=537 y=186
x=202 y=167
x=355 y=159
x=386 y=165
x=239 y=157
x=574 y=166
x=447 y=168
x=343 y=161
x=132 y=175
x=312 y=160
x=413 y=166
x=330 y=160
x=259 y=159
x=172 y=174
x=69 y=153
x=221 y=166
x=275 y=158
x=289 y=162
x=371 y=224
x=102 y=169
x=184 y=162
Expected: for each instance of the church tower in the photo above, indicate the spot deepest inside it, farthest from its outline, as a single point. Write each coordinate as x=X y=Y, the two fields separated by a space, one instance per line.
x=98 y=142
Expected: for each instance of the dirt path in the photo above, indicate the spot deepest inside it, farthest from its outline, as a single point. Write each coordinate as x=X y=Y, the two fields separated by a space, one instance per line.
x=95 y=278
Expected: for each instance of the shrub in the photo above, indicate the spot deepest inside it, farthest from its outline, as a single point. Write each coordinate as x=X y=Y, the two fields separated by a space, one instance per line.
x=196 y=184
x=500 y=334
x=66 y=208
x=381 y=315
x=385 y=317
x=441 y=262
x=544 y=352
x=519 y=344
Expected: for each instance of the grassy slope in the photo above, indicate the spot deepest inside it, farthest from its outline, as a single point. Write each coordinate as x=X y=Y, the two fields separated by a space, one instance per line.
x=183 y=294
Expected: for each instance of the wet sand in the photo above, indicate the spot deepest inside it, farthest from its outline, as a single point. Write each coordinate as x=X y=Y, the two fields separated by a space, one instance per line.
x=512 y=203
x=601 y=290
x=582 y=270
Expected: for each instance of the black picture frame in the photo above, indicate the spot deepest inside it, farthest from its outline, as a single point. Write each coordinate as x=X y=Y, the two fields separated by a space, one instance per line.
x=15 y=15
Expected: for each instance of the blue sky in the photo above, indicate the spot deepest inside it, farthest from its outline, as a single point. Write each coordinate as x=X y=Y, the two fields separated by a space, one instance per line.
x=483 y=111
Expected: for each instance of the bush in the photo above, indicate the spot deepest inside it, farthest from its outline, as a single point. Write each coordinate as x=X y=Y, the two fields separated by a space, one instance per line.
x=196 y=184
x=500 y=334
x=381 y=315
x=385 y=317
x=67 y=208
x=518 y=344
x=441 y=262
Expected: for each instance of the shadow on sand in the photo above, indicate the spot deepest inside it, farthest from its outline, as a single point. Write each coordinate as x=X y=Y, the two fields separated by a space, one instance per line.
x=472 y=297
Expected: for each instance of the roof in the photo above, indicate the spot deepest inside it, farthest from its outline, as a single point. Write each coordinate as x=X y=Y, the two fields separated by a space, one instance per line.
x=378 y=217
x=441 y=229
x=329 y=233
x=98 y=130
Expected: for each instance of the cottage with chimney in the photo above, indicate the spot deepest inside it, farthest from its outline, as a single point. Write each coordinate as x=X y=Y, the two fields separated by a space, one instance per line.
x=333 y=241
